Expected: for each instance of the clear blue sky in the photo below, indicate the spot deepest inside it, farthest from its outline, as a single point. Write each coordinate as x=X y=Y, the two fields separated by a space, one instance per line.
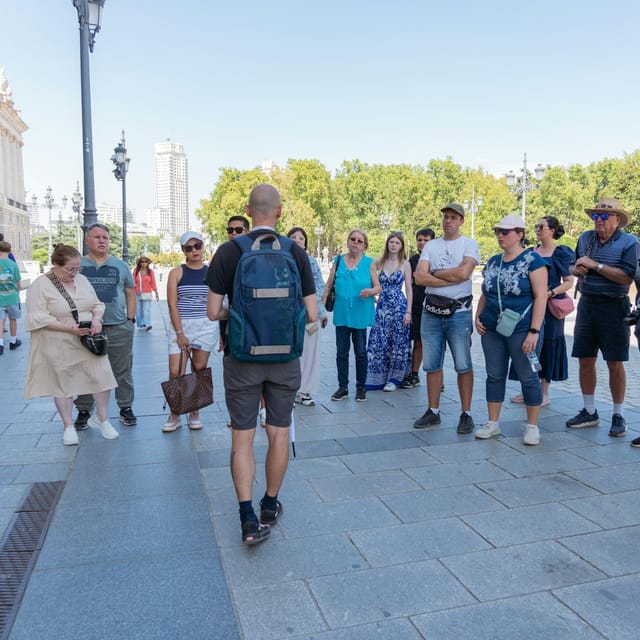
x=386 y=82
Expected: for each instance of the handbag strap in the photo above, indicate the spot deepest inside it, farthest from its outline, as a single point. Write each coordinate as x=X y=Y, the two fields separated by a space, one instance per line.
x=64 y=293
x=188 y=352
x=524 y=313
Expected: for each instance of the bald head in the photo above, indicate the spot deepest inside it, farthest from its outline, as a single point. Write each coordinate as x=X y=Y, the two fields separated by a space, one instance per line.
x=264 y=205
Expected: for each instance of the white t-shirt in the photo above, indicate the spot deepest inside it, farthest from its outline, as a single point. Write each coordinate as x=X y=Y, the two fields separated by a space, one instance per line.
x=448 y=254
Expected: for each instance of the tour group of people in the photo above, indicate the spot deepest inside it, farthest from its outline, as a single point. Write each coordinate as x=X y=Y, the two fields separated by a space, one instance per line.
x=399 y=312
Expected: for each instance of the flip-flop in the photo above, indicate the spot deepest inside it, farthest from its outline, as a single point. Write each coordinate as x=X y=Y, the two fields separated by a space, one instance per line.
x=253 y=532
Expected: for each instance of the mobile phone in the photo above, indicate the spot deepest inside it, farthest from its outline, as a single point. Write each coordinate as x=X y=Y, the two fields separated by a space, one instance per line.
x=85 y=324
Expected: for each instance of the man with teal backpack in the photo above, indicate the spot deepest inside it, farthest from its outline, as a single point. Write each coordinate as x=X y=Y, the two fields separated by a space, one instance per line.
x=271 y=297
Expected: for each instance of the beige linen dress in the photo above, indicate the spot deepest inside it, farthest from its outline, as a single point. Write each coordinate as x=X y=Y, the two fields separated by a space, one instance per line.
x=59 y=365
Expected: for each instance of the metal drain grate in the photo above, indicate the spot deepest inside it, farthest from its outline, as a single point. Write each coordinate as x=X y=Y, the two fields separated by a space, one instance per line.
x=20 y=546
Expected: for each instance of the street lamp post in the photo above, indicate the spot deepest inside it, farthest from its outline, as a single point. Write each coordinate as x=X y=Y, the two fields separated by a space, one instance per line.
x=319 y=230
x=385 y=220
x=76 y=205
x=476 y=203
x=523 y=185
x=119 y=158
x=89 y=16
x=49 y=202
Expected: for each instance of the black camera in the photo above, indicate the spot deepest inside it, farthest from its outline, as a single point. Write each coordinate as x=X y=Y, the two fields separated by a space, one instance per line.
x=631 y=319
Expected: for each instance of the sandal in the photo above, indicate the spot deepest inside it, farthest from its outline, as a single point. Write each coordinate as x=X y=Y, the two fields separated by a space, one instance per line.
x=253 y=532
x=305 y=400
x=171 y=425
x=194 y=423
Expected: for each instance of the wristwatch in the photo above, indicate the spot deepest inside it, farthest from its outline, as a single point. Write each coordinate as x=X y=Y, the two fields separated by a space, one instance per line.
x=600 y=267
x=532 y=330
x=132 y=320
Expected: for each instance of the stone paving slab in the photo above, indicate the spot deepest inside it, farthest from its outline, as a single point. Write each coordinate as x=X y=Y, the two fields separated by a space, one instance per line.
x=461 y=473
x=391 y=630
x=366 y=484
x=610 y=511
x=623 y=477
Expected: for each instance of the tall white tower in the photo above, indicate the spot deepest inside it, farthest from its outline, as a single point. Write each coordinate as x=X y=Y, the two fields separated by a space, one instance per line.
x=172 y=186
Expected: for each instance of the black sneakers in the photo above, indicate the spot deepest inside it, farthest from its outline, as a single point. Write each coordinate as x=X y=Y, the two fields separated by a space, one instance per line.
x=465 y=424
x=127 y=418
x=340 y=394
x=618 y=426
x=583 y=419
x=429 y=419
x=361 y=394
x=81 y=420
x=14 y=345
x=636 y=443
x=411 y=381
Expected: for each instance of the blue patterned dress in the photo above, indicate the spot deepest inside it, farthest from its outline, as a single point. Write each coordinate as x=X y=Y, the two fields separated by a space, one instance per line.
x=389 y=348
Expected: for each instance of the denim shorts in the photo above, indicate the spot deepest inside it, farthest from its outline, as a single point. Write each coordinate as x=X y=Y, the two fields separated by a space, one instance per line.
x=599 y=326
x=439 y=332
x=11 y=311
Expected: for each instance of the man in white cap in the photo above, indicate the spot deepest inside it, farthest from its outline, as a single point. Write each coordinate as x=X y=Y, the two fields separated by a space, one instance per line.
x=445 y=268
x=114 y=285
x=606 y=262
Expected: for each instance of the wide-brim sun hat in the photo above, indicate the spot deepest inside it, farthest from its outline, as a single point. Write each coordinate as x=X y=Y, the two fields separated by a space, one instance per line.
x=512 y=221
x=188 y=235
x=613 y=206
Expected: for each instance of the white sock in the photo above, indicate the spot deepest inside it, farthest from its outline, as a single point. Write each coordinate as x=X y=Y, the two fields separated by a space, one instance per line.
x=436 y=411
x=618 y=408
x=12 y=339
x=1 y=342
x=589 y=402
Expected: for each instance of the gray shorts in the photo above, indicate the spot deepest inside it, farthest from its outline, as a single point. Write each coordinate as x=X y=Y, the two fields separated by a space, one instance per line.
x=11 y=311
x=244 y=382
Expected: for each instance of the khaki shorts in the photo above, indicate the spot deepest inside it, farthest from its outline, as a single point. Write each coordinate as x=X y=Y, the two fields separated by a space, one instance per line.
x=244 y=382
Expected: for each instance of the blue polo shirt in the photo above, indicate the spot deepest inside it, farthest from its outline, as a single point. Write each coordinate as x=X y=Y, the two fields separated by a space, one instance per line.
x=621 y=250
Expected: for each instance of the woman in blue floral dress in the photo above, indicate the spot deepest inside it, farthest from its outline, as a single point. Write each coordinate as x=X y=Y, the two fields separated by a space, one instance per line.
x=389 y=348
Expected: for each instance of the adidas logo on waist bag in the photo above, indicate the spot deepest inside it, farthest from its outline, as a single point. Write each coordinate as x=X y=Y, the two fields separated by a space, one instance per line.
x=267 y=316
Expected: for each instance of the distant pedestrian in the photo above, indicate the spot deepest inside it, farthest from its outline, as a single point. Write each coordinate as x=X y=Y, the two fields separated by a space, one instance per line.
x=190 y=329
x=509 y=319
x=9 y=297
x=446 y=269
x=246 y=379
x=606 y=261
x=389 y=347
x=310 y=358
x=413 y=379
x=11 y=256
x=114 y=285
x=59 y=365
x=146 y=292
x=356 y=281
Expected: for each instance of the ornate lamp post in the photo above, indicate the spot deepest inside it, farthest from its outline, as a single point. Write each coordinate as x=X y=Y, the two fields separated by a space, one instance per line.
x=76 y=205
x=119 y=158
x=319 y=230
x=523 y=185
x=49 y=202
x=476 y=203
x=89 y=16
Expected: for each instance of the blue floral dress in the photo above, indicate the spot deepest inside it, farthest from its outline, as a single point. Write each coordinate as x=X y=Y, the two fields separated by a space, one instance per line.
x=389 y=348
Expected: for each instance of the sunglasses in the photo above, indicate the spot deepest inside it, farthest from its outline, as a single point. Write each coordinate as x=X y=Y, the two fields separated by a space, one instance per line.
x=188 y=248
x=504 y=232
x=237 y=230
x=602 y=216
x=356 y=240
x=540 y=227
x=144 y=262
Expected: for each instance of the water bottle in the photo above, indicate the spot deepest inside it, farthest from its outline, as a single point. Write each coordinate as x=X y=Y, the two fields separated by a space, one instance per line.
x=534 y=363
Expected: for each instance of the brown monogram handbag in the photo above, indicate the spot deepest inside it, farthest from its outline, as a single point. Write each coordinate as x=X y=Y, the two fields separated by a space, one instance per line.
x=189 y=392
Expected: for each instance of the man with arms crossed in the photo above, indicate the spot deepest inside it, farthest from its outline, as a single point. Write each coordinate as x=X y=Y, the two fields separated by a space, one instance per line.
x=244 y=382
x=445 y=269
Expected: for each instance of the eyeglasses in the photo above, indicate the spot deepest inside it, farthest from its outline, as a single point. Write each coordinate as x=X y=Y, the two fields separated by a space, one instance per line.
x=504 y=232
x=602 y=216
x=356 y=240
x=540 y=227
x=188 y=248
x=71 y=269
x=237 y=230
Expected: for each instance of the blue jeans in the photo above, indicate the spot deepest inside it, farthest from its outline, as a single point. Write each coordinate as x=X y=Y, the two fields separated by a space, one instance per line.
x=497 y=352
x=359 y=339
x=143 y=312
x=437 y=332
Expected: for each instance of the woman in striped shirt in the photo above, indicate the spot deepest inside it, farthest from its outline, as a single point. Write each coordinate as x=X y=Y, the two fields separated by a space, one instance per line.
x=190 y=328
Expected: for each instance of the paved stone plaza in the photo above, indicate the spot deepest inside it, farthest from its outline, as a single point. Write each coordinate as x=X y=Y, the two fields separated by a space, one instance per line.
x=387 y=532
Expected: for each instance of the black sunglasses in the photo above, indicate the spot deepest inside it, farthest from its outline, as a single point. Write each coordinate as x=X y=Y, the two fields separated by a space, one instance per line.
x=236 y=230
x=504 y=232
x=188 y=248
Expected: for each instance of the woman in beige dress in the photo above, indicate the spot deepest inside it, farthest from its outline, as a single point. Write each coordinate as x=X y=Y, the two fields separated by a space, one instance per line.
x=59 y=365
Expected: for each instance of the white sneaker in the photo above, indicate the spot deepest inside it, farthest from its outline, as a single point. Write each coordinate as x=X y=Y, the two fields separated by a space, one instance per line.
x=105 y=428
x=70 y=436
x=390 y=386
x=531 y=435
x=488 y=430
